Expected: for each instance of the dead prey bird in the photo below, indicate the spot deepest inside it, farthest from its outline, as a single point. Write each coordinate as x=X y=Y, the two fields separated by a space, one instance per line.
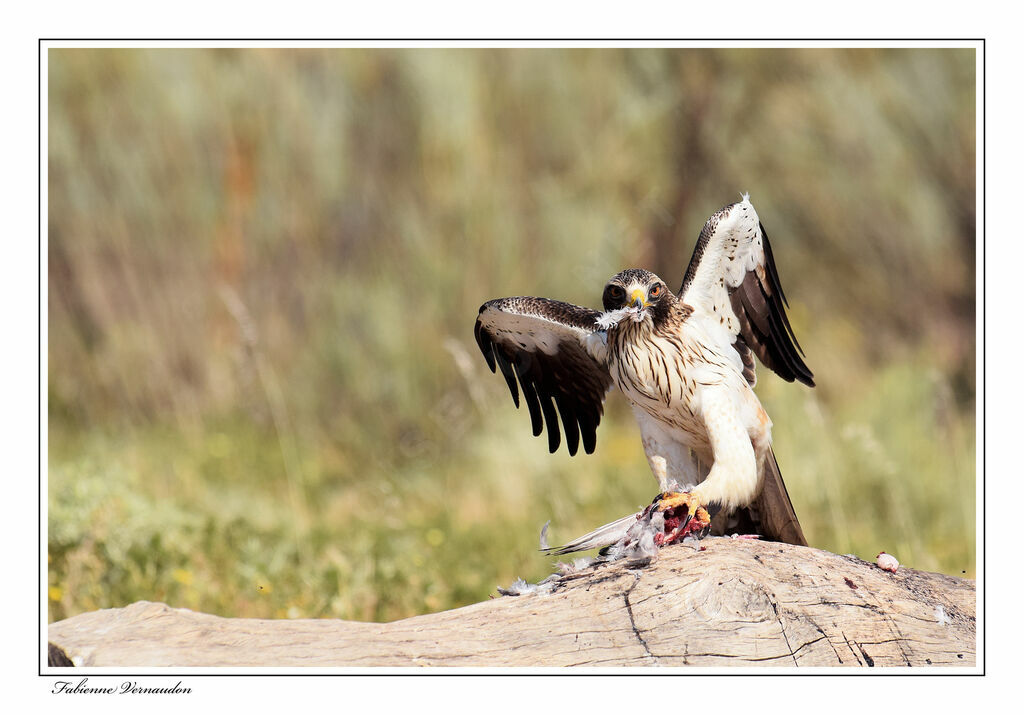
x=684 y=362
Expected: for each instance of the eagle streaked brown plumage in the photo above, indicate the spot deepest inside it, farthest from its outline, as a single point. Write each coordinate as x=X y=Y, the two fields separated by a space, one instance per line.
x=685 y=364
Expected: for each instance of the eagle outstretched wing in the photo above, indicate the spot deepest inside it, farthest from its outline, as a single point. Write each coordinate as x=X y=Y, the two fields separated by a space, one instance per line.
x=543 y=344
x=733 y=285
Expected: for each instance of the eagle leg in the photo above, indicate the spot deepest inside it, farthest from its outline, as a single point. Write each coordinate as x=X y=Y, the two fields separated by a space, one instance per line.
x=684 y=516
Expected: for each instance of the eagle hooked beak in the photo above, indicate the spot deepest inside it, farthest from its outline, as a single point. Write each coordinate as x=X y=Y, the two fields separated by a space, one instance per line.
x=638 y=299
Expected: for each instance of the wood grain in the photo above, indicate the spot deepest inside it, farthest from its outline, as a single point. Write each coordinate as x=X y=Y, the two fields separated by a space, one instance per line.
x=736 y=603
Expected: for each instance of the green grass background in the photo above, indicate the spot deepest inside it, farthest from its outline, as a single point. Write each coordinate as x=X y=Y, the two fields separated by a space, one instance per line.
x=264 y=266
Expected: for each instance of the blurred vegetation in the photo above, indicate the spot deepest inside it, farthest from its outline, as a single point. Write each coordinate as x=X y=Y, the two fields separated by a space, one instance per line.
x=264 y=265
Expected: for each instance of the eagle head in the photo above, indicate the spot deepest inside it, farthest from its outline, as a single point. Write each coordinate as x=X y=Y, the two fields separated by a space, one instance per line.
x=641 y=292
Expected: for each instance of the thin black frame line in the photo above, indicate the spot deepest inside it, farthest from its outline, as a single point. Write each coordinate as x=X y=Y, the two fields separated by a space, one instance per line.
x=519 y=39
x=39 y=372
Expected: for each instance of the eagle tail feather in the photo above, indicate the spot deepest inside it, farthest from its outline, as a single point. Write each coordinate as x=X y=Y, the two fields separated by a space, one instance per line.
x=778 y=520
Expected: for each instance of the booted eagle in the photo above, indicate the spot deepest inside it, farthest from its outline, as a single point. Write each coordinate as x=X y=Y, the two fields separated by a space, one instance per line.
x=685 y=363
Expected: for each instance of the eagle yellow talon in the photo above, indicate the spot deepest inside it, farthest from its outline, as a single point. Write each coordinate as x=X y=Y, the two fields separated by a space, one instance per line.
x=673 y=500
x=684 y=516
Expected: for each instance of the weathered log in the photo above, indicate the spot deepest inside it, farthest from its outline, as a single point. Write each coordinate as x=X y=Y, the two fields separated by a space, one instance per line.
x=734 y=603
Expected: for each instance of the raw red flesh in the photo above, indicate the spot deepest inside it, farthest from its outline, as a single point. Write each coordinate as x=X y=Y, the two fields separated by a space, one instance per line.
x=677 y=527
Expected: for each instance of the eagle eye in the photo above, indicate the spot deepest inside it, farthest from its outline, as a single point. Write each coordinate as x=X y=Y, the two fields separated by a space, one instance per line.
x=656 y=290
x=616 y=291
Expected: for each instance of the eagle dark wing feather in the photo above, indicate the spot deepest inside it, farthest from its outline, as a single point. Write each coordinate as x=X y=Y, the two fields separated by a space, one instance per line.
x=765 y=328
x=532 y=402
x=540 y=346
x=496 y=356
x=733 y=278
x=571 y=422
x=763 y=302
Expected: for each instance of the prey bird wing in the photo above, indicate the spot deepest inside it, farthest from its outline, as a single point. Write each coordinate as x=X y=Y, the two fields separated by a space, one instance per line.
x=554 y=351
x=733 y=285
x=598 y=538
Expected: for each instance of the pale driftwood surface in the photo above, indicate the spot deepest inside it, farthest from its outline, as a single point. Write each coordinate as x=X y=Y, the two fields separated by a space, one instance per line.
x=735 y=603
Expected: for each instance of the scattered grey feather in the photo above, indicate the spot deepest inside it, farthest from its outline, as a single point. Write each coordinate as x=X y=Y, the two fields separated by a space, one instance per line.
x=544 y=536
x=518 y=588
x=576 y=566
x=581 y=563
